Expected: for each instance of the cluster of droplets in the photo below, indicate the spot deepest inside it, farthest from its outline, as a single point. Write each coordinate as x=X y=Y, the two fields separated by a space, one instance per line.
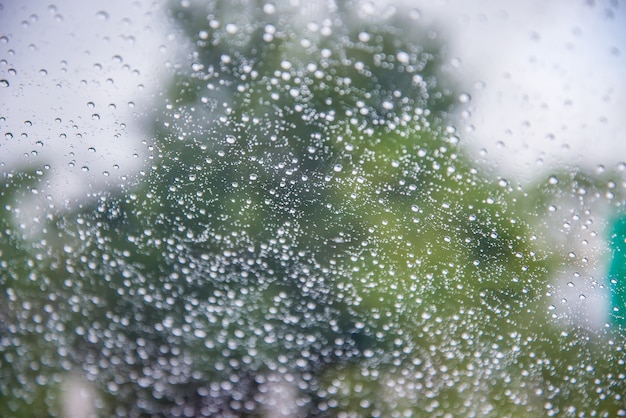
x=309 y=238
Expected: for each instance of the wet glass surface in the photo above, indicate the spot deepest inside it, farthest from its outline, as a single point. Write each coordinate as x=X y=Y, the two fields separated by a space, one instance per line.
x=292 y=209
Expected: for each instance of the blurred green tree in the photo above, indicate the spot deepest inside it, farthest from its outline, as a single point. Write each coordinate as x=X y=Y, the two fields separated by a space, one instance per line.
x=308 y=219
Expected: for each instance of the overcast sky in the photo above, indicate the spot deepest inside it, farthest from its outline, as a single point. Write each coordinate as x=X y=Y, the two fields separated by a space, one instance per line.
x=547 y=80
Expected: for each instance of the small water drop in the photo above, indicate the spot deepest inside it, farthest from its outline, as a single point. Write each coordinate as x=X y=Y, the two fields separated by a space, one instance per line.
x=415 y=14
x=364 y=37
x=95 y=116
x=4 y=83
x=102 y=15
x=230 y=139
x=269 y=8
x=403 y=57
x=231 y=28
x=465 y=98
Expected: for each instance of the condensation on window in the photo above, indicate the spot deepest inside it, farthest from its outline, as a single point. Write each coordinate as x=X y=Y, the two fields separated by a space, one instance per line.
x=255 y=208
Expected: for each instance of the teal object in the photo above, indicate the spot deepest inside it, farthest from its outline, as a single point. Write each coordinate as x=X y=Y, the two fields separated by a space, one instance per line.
x=617 y=273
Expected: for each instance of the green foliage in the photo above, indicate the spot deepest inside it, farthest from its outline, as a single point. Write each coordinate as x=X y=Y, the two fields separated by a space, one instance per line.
x=308 y=218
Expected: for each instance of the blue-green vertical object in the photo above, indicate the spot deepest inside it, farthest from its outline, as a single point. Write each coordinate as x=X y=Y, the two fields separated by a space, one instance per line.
x=617 y=273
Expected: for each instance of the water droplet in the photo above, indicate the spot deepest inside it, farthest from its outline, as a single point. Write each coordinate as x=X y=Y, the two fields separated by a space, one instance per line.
x=364 y=37
x=91 y=105
x=102 y=15
x=8 y=135
x=403 y=57
x=253 y=177
x=230 y=139
x=95 y=116
x=553 y=180
x=84 y=168
x=4 y=83
x=43 y=72
x=269 y=8
x=465 y=98
x=415 y=14
x=231 y=28
x=337 y=168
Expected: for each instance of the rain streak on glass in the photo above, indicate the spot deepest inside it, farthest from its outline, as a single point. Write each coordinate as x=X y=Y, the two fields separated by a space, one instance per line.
x=302 y=231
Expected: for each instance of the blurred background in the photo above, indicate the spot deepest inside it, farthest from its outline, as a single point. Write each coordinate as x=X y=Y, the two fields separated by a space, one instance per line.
x=284 y=209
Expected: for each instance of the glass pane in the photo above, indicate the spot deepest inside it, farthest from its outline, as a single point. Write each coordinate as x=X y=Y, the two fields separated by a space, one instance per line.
x=286 y=208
